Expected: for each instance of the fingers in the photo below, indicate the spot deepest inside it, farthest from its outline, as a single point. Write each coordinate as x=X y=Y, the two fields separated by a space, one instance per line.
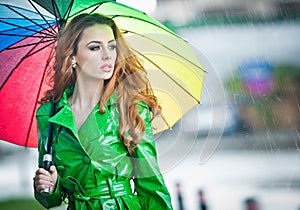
x=43 y=180
x=53 y=169
x=53 y=172
x=41 y=171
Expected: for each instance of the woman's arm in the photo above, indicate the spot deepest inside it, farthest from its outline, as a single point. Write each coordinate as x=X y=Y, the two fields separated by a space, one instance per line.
x=149 y=183
x=42 y=177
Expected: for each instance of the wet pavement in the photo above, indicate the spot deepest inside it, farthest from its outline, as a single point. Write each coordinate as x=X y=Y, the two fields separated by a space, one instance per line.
x=228 y=169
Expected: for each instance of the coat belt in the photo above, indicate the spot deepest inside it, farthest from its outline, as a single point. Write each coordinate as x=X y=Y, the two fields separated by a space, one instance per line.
x=82 y=197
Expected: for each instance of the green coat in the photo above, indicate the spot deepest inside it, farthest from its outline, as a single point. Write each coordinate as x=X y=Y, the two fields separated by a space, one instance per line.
x=94 y=166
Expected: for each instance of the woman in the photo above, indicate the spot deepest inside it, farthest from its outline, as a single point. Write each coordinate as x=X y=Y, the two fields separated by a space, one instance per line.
x=102 y=124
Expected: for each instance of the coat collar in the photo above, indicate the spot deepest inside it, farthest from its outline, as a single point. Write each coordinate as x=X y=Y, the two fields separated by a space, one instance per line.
x=64 y=115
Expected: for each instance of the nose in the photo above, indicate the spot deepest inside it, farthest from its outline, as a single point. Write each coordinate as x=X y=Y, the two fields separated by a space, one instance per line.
x=105 y=54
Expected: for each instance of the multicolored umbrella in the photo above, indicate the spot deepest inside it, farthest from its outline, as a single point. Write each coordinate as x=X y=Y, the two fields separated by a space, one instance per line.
x=27 y=41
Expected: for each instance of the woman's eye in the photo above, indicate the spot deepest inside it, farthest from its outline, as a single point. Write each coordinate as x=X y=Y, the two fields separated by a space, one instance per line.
x=94 y=48
x=112 y=47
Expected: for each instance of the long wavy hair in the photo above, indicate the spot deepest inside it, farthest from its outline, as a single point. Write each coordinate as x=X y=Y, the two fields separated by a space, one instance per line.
x=129 y=80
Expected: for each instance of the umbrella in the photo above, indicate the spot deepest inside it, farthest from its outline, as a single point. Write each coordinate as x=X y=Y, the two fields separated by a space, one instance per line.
x=27 y=41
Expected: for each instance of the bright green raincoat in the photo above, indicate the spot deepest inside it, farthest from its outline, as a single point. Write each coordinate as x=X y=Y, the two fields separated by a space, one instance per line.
x=94 y=166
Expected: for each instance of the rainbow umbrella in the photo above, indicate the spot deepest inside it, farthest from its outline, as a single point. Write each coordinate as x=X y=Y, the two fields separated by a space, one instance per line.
x=27 y=41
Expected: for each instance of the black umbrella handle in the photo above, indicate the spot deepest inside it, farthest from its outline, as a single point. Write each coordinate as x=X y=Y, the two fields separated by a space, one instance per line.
x=47 y=159
x=47 y=162
x=50 y=130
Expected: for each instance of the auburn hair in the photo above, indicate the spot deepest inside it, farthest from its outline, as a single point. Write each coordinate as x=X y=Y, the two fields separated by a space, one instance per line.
x=129 y=80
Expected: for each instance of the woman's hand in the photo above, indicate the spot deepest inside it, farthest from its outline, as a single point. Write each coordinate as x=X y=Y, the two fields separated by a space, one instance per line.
x=44 y=179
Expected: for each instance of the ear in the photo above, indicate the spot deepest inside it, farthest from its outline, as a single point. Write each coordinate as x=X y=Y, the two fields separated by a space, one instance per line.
x=73 y=59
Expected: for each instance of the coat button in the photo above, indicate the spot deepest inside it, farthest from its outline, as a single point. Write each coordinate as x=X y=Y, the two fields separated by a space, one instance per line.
x=61 y=168
x=86 y=159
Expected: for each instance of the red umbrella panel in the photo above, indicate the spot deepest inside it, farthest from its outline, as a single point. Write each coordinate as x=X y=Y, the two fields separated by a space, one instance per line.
x=18 y=98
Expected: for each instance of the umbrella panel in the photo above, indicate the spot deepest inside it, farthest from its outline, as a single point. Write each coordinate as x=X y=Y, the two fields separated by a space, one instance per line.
x=61 y=9
x=9 y=37
x=181 y=71
x=9 y=59
x=18 y=99
x=174 y=100
x=124 y=15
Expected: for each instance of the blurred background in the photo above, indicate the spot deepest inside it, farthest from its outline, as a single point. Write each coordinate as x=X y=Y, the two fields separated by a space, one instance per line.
x=239 y=149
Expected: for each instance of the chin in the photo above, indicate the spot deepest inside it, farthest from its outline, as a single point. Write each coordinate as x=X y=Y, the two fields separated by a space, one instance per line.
x=106 y=77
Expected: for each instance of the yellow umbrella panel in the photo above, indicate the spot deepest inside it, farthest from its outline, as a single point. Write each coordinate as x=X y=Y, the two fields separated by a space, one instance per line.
x=176 y=80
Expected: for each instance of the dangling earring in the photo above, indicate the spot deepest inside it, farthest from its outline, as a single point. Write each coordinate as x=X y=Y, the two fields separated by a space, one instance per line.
x=74 y=65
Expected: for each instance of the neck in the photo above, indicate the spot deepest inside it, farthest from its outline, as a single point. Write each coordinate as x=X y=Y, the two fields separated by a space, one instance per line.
x=86 y=94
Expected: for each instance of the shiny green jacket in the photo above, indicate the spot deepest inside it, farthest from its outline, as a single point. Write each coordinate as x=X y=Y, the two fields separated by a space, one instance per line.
x=95 y=170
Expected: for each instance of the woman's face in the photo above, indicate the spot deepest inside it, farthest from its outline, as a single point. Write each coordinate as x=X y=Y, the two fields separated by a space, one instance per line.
x=96 y=53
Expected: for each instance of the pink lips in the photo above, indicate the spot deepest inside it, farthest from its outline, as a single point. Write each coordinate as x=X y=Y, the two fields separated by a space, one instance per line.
x=106 y=67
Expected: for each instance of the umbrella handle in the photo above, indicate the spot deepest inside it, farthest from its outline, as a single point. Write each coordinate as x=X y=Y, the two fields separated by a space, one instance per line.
x=47 y=162
x=47 y=158
x=50 y=130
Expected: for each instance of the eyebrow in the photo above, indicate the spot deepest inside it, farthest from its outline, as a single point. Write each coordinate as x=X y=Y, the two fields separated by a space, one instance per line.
x=99 y=42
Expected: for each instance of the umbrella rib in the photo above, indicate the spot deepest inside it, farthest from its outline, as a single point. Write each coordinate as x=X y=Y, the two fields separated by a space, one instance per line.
x=26 y=36
x=28 y=29
x=166 y=48
x=10 y=7
x=21 y=8
x=37 y=97
x=42 y=16
x=32 y=53
x=26 y=45
x=164 y=119
x=161 y=27
x=96 y=4
x=166 y=74
x=29 y=53
x=56 y=12
x=129 y=16
x=66 y=15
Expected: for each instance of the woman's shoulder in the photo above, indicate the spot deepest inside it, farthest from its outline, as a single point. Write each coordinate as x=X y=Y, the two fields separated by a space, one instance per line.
x=143 y=110
x=44 y=109
x=142 y=107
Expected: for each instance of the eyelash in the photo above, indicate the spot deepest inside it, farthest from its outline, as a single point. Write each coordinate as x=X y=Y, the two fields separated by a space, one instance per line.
x=110 y=47
x=94 y=48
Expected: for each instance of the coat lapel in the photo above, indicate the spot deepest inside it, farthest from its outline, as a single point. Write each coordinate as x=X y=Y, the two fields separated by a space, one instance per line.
x=96 y=124
x=65 y=118
x=64 y=115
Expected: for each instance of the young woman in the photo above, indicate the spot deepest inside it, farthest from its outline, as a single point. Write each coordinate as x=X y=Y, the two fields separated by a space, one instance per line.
x=102 y=124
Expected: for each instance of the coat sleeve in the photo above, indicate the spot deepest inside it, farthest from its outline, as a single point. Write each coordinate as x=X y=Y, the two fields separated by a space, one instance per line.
x=55 y=198
x=149 y=182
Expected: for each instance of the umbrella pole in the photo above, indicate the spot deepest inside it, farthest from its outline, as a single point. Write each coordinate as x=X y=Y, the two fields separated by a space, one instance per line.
x=47 y=159
x=50 y=130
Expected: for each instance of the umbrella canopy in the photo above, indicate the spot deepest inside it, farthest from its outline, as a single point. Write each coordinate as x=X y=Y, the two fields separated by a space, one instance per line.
x=27 y=41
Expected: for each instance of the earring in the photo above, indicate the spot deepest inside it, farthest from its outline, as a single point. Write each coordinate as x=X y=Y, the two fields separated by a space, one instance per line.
x=74 y=65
